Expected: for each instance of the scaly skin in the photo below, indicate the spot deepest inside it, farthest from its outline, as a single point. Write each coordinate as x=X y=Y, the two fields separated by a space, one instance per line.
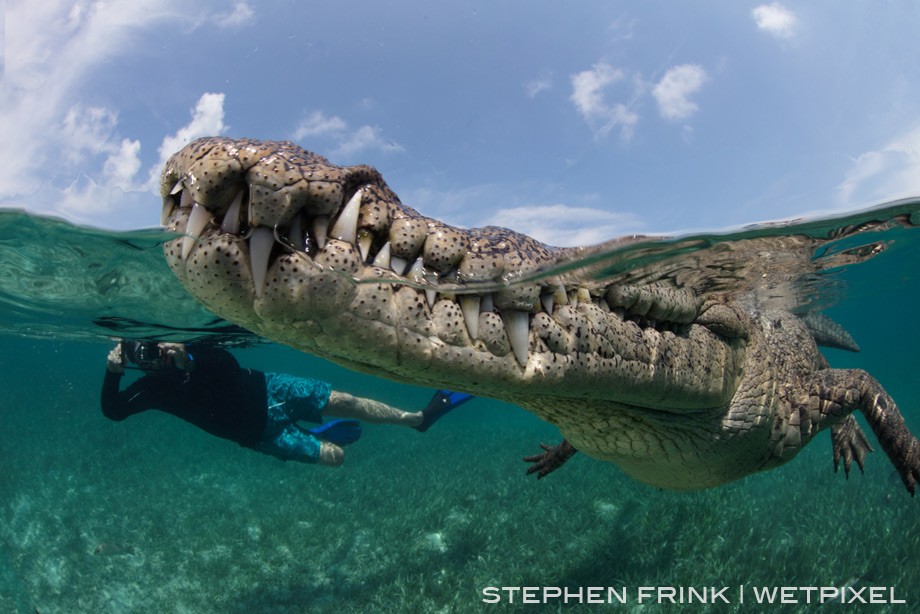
x=687 y=371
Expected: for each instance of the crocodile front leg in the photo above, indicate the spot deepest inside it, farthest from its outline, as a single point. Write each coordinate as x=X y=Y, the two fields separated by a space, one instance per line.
x=832 y=394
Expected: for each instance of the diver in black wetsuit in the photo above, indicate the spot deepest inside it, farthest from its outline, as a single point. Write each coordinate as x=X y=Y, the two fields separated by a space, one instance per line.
x=205 y=385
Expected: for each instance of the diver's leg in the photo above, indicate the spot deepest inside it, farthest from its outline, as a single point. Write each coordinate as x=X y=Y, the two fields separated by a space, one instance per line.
x=289 y=442
x=344 y=405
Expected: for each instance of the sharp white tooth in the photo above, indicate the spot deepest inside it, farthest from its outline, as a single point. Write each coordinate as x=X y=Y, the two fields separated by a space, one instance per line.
x=346 y=227
x=431 y=294
x=321 y=230
x=169 y=204
x=365 y=238
x=518 y=328
x=231 y=223
x=382 y=259
x=560 y=295
x=487 y=303
x=398 y=264
x=186 y=199
x=417 y=275
x=547 y=301
x=260 y=248
x=469 y=305
x=198 y=219
x=417 y=272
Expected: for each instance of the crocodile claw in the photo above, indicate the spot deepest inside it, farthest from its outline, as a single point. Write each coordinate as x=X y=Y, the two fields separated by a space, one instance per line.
x=849 y=443
x=551 y=459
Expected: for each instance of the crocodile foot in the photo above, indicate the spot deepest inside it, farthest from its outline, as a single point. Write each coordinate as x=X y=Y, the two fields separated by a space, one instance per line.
x=835 y=393
x=849 y=443
x=551 y=459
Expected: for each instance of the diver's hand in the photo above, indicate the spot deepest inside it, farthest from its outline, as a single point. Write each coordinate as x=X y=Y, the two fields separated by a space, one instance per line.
x=177 y=355
x=116 y=360
x=551 y=459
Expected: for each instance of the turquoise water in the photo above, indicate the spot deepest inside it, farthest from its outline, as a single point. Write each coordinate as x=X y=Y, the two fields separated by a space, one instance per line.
x=411 y=522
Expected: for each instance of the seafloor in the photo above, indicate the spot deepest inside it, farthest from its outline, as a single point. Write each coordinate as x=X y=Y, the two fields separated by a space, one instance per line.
x=412 y=522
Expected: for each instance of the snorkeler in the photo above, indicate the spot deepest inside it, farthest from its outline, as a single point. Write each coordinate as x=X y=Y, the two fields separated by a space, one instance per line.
x=205 y=385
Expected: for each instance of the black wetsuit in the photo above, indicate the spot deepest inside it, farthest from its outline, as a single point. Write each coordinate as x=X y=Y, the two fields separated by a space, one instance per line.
x=217 y=396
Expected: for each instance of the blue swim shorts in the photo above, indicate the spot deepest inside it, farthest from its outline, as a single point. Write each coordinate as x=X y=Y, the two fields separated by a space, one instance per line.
x=290 y=400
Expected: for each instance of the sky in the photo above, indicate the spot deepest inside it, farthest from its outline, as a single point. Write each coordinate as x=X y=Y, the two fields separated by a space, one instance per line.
x=574 y=123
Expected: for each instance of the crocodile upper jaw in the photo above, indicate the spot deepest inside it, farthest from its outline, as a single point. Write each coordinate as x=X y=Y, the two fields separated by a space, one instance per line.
x=327 y=259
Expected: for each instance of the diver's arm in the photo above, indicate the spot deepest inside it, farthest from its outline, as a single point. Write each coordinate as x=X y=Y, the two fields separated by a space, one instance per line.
x=116 y=404
x=113 y=406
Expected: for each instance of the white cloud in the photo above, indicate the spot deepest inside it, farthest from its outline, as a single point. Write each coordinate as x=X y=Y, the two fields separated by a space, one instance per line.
x=207 y=120
x=365 y=137
x=564 y=225
x=587 y=88
x=241 y=14
x=86 y=131
x=890 y=172
x=318 y=124
x=122 y=165
x=532 y=88
x=588 y=95
x=117 y=188
x=673 y=91
x=49 y=136
x=344 y=141
x=775 y=19
x=61 y=151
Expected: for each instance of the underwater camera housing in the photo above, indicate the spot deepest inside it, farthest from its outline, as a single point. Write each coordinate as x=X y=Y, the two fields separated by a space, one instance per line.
x=144 y=354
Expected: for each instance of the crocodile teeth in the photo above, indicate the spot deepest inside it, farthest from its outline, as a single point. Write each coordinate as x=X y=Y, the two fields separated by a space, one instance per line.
x=231 y=223
x=487 y=304
x=469 y=304
x=547 y=301
x=260 y=248
x=398 y=265
x=197 y=220
x=185 y=200
x=518 y=329
x=431 y=294
x=169 y=204
x=321 y=230
x=346 y=227
x=382 y=259
x=417 y=272
x=365 y=238
x=560 y=296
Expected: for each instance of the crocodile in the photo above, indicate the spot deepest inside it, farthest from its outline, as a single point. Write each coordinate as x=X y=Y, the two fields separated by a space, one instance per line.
x=689 y=364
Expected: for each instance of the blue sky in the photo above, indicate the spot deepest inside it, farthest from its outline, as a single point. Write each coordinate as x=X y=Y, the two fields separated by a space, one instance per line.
x=573 y=122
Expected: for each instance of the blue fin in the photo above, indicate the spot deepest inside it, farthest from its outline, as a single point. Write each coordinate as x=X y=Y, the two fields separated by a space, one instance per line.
x=443 y=402
x=339 y=432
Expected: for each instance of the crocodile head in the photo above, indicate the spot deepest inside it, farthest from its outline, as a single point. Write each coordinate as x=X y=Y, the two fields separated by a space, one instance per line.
x=326 y=259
